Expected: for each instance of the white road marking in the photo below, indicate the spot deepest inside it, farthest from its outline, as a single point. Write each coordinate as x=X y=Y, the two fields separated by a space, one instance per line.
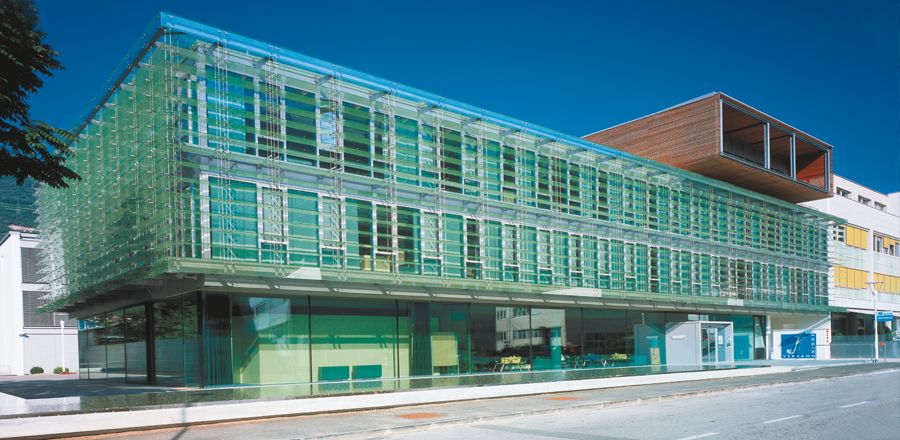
x=708 y=434
x=781 y=419
x=855 y=404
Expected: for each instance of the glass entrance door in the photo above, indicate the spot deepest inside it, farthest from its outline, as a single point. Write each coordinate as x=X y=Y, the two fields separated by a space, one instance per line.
x=709 y=345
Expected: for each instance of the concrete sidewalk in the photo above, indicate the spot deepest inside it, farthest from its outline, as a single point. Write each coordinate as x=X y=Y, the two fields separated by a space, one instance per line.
x=603 y=392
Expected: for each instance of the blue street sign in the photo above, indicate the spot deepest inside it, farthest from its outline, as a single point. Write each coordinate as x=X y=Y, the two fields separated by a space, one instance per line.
x=885 y=316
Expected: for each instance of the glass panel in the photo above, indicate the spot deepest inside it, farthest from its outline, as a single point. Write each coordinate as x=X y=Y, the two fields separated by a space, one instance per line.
x=233 y=214
x=230 y=110
x=451 y=162
x=779 y=150
x=300 y=125
x=492 y=170
x=355 y=339
x=191 y=328
x=169 y=344
x=648 y=331
x=438 y=338
x=83 y=350
x=357 y=154
x=136 y=344
x=501 y=338
x=303 y=228
x=454 y=247
x=407 y=150
x=270 y=340
x=114 y=336
x=408 y=241
x=217 y=340
x=743 y=135
x=384 y=246
x=359 y=234
x=811 y=163
x=555 y=338
x=93 y=359
x=604 y=338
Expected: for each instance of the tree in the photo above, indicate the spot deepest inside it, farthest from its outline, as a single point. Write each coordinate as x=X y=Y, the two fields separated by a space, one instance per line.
x=28 y=148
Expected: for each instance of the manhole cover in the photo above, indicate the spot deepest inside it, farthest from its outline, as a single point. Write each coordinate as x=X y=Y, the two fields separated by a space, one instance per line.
x=421 y=415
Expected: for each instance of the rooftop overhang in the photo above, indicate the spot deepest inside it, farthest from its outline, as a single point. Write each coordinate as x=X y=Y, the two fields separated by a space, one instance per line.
x=720 y=137
x=761 y=153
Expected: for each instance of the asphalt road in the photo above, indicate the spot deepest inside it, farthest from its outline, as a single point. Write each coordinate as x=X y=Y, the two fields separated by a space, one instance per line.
x=841 y=402
x=857 y=407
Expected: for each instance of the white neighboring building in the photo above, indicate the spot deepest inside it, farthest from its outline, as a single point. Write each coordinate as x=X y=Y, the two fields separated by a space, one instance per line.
x=864 y=250
x=29 y=338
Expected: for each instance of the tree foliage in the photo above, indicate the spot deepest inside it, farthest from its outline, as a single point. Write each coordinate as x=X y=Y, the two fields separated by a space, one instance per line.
x=28 y=148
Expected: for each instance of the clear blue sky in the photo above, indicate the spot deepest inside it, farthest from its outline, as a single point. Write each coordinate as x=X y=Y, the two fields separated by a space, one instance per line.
x=829 y=68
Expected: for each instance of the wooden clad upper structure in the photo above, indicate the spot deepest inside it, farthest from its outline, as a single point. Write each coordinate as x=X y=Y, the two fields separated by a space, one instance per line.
x=720 y=137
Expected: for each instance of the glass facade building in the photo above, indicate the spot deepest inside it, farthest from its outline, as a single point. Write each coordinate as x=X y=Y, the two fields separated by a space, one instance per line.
x=251 y=215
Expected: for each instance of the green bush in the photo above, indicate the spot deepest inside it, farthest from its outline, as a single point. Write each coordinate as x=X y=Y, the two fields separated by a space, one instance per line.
x=58 y=370
x=36 y=370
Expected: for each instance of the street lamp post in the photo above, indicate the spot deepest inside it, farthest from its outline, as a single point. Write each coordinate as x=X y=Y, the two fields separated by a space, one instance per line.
x=62 y=344
x=874 y=315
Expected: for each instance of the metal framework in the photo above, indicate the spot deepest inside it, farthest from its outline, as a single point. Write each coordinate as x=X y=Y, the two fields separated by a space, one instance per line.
x=217 y=154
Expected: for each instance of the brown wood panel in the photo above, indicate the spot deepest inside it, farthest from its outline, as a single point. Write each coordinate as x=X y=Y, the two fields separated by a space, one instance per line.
x=679 y=136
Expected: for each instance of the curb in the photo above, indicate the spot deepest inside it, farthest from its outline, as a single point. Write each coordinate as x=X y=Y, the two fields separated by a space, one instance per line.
x=597 y=405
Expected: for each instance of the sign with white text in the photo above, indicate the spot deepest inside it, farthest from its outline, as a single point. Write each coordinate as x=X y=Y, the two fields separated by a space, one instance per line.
x=798 y=346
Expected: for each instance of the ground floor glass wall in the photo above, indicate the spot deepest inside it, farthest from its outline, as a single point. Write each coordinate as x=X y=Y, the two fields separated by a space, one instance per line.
x=221 y=339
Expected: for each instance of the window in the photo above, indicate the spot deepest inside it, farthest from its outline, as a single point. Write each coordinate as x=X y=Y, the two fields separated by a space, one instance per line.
x=473 y=249
x=359 y=233
x=886 y=245
x=407 y=150
x=300 y=125
x=303 y=228
x=273 y=246
x=384 y=246
x=269 y=137
x=470 y=160
x=328 y=134
x=431 y=234
x=357 y=153
x=842 y=192
x=492 y=169
x=510 y=253
x=408 y=241
x=880 y=206
x=30 y=264
x=233 y=220
x=451 y=161
x=863 y=200
x=32 y=317
x=230 y=110
x=332 y=250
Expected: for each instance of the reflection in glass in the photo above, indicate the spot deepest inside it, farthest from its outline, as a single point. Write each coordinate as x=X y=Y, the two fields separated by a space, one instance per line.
x=136 y=344
x=604 y=338
x=552 y=334
x=269 y=340
x=114 y=338
x=438 y=338
x=356 y=339
x=92 y=356
x=175 y=341
x=501 y=338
